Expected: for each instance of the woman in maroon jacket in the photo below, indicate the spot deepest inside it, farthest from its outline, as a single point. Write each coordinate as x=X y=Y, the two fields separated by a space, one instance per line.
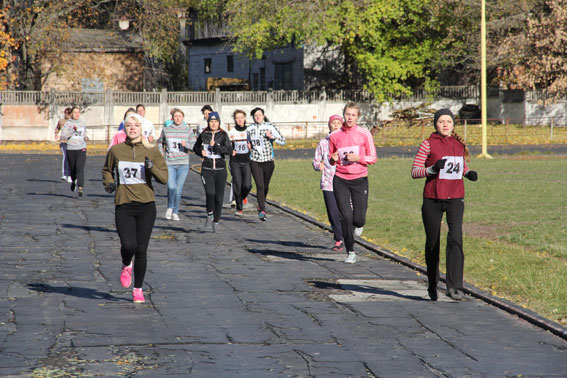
x=442 y=159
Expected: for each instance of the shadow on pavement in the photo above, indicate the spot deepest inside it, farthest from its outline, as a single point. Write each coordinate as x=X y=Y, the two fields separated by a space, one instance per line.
x=362 y=289
x=51 y=195
x=88 y=228
x=81 y=292
x=288 y=243
x=51 y=181
x=287 y=255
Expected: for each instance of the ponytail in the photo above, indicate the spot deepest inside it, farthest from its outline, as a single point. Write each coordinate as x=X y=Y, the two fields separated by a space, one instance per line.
x=461 y=140
x=146 y=143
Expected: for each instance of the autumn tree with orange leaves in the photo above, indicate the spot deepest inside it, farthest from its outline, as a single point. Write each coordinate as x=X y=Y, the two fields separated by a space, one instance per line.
x=33 y=29
x=537 y=56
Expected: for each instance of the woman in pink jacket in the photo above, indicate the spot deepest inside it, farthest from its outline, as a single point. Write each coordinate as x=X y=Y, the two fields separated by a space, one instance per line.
x=321 y=163
x=352 y=150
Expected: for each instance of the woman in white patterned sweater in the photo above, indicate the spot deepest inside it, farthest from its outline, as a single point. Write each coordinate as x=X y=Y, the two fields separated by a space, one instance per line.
x=321 y=164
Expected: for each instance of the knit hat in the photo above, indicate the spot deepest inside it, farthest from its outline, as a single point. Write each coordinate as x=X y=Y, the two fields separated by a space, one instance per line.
x=136 y=116
x=334 y=117
x=213 y=116
x=442 y=112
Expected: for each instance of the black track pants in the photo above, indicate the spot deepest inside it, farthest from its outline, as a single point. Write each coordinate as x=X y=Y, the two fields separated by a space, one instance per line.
x=432 y=213
x=333 y=214
x=262 y=173
x=77 y=160
x=349 y=192
x=134 y=223
x=214 y=181
x=241 y=181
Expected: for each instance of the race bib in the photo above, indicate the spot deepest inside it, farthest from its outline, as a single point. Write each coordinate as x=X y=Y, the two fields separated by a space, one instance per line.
x=257 y=142
x=453 y=168
x=174 y=144
x=241 y=146
x=132 y=172
x=210 y=153
x=344 y=151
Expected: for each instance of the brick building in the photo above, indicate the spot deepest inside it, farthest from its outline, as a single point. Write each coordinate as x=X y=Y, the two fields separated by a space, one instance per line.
x=96 y=60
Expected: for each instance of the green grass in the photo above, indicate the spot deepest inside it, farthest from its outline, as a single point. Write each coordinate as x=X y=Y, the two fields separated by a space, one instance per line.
x=515 y=239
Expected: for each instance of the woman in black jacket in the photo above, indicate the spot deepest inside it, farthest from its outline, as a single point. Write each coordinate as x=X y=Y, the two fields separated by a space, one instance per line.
x=213 y=144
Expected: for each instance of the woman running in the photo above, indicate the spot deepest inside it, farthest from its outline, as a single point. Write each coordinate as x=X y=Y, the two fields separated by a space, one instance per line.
x=442 y=159
x=352 y=150
x=65 y=171
x=128 y=170
x=174 y=143
x=321 y=163
x=240 y=160
x=213 y=144
x=262 y=136
x=75 y=132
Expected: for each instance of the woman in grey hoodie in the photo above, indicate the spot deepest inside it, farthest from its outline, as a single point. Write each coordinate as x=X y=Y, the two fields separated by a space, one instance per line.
x=75 y=132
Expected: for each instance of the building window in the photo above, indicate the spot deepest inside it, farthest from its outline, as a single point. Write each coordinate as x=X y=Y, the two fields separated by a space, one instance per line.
x=208 y=64
x=230 y=63
x=263 y=79
x=255 y=82
x=283 y=76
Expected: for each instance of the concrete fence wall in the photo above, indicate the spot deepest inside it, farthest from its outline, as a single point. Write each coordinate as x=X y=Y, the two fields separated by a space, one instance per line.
x=28 y=115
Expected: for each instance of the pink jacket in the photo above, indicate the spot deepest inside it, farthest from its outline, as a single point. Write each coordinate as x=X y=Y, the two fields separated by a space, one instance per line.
x=357 y=140
x=119 y=137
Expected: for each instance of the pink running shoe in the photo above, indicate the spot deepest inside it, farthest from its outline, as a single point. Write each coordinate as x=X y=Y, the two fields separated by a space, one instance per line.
x=338 y=246
x=138 y=296
x=126 y=276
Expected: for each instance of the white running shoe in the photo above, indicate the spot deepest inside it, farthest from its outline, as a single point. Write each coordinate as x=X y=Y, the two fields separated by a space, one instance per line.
x=64 y=178
x=174 y=217
x=358 y=231
x=351 y=258
x=168 y=214
x=209 y=221
x=69 y=179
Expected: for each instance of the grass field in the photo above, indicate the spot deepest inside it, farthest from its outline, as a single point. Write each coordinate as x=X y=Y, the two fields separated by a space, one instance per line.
x=515 y=238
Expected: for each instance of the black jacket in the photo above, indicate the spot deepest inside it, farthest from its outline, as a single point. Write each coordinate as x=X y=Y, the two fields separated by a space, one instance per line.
x=222 y=147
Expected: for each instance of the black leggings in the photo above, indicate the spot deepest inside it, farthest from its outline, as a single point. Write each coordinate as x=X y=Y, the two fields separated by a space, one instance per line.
x=333 y=214
x=352 y=199
x=214 y=181
x=241 y=181
x=262 y=173
x=134 y=223
x=77 y=160
x=432 y=213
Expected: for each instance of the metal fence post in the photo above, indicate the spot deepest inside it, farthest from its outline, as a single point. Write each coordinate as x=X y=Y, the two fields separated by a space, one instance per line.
x=551 y=131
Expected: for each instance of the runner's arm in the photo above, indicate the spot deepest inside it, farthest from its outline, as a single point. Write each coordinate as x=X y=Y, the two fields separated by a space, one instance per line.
x=418 y=169
x=159 y=170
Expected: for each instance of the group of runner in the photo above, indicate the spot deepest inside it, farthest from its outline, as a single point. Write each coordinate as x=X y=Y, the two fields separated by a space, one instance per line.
x=343 y=158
